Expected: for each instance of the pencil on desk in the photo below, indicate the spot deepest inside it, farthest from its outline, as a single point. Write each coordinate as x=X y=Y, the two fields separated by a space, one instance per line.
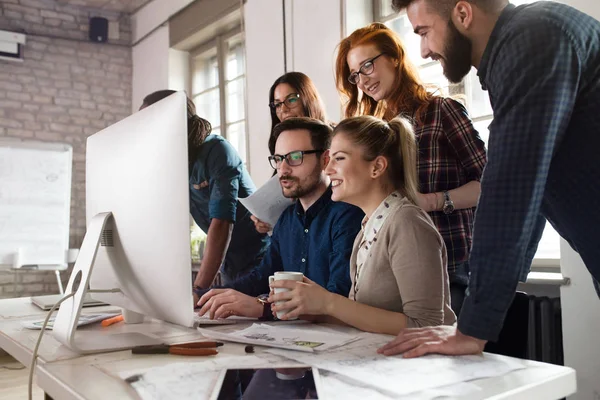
x=112 y=320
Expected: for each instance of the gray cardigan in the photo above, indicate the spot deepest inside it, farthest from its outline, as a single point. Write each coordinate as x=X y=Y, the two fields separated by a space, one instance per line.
x=406 y=269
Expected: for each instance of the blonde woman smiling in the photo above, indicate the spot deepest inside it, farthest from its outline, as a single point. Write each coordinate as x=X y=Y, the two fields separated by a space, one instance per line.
x=398 y=263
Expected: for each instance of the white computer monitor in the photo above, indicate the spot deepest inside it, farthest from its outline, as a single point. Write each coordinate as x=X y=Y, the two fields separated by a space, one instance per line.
x=137 y=241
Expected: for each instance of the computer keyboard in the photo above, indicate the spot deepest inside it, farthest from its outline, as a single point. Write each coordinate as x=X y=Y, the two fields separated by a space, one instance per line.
x=205 y=320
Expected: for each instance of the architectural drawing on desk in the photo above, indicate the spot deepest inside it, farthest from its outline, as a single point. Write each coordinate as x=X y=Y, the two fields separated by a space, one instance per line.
x=294 y=341
x=306 y=340
x=173 y=382
x=302 y=343
x=360 y=362
x=260 y=336
x=335 y=386
x=194 y=379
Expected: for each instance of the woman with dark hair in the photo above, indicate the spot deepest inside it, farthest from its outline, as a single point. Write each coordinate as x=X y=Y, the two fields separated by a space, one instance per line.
x=292 y=95
x=217 y=179
x=375 y=75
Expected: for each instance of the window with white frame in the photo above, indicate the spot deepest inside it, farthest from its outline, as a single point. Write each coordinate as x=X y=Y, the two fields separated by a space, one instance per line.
x=218 y=83
x=218 y=87
x=475 y=99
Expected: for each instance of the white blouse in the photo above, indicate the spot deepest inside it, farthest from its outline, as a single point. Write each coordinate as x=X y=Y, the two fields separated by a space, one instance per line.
x=369 y=228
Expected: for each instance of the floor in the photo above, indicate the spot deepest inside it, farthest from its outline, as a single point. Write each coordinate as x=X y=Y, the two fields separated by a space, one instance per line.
x=13 y=380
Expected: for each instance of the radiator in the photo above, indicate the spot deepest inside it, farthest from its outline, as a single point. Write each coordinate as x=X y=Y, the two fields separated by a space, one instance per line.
x=532 y=330
x=544 y=341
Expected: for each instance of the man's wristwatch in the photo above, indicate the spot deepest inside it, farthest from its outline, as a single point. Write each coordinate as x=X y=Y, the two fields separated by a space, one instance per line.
x=448 y=203
x=267 y=315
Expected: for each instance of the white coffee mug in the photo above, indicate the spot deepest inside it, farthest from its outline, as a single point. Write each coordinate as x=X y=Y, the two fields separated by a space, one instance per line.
x=284 y=276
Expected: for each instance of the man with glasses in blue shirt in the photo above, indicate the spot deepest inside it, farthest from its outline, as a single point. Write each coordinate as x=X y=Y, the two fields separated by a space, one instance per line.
x=313 y=236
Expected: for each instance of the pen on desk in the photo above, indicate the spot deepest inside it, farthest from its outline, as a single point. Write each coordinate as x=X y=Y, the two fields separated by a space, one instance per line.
x=112 y=320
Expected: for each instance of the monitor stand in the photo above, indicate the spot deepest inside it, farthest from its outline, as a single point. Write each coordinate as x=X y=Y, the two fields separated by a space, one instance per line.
x=65 y=325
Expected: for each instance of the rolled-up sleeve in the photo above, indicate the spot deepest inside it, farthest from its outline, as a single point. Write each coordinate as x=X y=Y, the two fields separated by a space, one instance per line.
x=224 y=171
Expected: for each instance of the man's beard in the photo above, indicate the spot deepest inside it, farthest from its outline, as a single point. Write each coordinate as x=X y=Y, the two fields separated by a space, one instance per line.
x=457 y=55
x=301 y=189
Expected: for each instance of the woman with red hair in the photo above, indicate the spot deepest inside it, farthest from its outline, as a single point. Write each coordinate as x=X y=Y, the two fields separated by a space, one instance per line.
x=375 y=76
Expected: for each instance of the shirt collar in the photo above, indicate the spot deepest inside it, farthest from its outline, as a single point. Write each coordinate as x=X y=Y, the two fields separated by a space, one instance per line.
x=506 y=15
x=313 y=210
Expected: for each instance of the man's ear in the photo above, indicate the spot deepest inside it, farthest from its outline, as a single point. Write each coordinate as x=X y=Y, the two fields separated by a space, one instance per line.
x=462 y=15
x=325 y=159
x=379 y=166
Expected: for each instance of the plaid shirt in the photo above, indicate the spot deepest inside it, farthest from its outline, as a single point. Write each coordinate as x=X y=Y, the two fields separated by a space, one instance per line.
x=451 y=154
x=542 y=69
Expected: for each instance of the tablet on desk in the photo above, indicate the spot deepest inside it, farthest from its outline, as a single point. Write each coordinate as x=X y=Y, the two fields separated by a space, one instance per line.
x=46 y=302
x=268 y=384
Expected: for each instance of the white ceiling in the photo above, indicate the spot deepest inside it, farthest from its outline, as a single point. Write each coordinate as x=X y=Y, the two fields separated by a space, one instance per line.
x=126 y=6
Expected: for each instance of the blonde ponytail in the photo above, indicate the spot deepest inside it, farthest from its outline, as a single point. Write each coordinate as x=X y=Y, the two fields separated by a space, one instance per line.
x=394 y=140
x=407 y=148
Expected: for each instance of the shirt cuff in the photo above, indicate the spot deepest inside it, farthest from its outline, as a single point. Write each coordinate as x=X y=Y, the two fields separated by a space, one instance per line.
x=480 y=320
x=222 y=209
x=200 y=292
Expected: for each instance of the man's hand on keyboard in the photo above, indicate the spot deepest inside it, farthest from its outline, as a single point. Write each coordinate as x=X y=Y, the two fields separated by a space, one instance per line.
x=223 y=303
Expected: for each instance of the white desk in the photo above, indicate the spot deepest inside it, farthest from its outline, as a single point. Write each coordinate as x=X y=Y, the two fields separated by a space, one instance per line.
x=63 y=374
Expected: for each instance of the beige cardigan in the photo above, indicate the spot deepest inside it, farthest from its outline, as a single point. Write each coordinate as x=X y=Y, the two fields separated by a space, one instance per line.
x=406 y=269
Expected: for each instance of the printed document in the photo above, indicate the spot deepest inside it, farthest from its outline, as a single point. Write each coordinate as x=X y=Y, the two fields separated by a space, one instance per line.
x=360 y=362
x=267 y=203
x=285 y=337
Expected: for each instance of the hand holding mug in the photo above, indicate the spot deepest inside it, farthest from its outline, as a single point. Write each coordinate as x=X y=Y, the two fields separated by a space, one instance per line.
x=295 y=298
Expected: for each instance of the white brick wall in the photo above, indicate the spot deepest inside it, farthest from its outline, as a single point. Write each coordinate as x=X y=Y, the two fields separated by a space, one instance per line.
x=66 y=89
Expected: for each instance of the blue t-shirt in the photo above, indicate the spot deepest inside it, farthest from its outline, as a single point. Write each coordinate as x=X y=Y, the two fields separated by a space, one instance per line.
x=217 y=179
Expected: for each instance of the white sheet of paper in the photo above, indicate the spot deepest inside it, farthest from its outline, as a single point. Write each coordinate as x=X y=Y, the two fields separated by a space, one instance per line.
x=338 y=386
x=285 y=337
x=174 y=382
x=267 y=203
x=360 y=362
x=194 y=379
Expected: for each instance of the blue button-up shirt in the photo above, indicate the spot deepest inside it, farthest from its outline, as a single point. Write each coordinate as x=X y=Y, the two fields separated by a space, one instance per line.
x=317 y=243
x=542 y=69
x=217 y=179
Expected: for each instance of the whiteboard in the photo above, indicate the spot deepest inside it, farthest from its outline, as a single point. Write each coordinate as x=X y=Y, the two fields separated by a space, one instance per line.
x=35 y=202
